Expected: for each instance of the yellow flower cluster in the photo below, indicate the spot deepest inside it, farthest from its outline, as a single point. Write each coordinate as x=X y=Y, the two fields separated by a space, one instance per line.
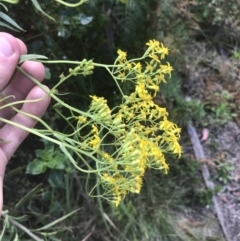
x=139 y=129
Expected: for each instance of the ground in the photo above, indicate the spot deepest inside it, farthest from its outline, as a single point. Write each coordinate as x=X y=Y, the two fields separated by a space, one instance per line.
x=227 y=152
x=222 y=158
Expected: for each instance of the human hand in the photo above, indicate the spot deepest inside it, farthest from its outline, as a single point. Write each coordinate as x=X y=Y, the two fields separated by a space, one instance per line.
x=22 y=88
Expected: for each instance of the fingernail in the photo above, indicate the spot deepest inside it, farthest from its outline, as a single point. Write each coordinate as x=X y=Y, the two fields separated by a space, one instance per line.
x=5 y=47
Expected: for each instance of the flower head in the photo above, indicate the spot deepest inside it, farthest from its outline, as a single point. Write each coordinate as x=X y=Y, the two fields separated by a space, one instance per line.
x=136 y=135
x=122 y=56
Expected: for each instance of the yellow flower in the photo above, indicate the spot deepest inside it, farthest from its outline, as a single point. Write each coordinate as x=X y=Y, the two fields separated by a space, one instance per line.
x=107 y=157
x=94 y=97
x=163 y=51
x=137 y=133
x=166 y=69
x=138 y=67
x=100 y=110
x=118 y=196
x=94 y=129
x=153 y=45
x=95 y=142
x=108 y=178
x=142 y=92
x=121 y=56
x=177 y=148
x=154 y=57
x=128 y=66
x=155 y=88
x=82 y=119
x=122 y=76
x=160 y=78
x=149 y=68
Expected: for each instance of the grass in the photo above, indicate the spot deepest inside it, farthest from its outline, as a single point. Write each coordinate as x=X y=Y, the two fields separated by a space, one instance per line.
x=155 y=214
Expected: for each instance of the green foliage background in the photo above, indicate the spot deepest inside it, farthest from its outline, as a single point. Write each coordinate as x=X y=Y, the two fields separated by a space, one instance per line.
x=183 y=26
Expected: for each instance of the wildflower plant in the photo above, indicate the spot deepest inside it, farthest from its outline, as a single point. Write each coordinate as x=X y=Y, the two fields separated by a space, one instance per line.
x=117 y=145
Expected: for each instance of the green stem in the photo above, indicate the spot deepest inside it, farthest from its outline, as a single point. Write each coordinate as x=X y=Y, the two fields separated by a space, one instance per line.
x=50 y=93
x=35 y=132
x=76 y=63
x=109 y=71
x=35 y=118
x=11 y=1
x=72 y=5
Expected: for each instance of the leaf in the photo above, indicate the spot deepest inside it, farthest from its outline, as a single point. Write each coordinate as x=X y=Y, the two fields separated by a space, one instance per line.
x=56 y=210
x=84 y=20
x=57 y=221
x=26 y=57
x=36 y=167
x=49 y=146
x=47 y=73
x=66 y=152
x=7 y=26
x=28 y=196
x=42 y=154
x=55 y=164
x=16 y=237
x=55 y=179
x=38 y=7
x=57 y=161
x=10 y=21
x=6 y=9
x=46 y=196
x=51 y=157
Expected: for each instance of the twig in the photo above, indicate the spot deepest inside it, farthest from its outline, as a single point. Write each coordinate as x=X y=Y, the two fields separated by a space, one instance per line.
x=198 y=150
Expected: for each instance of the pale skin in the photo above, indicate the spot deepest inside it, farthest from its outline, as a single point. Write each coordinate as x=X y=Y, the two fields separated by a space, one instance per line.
x=22 y=88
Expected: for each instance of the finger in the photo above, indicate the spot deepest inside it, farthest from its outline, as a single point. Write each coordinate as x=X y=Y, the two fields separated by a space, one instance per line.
x=10 y=51
x=16 y=135
x=22 y=46
x=1 y=188
x=20 y=85
x=9 y=55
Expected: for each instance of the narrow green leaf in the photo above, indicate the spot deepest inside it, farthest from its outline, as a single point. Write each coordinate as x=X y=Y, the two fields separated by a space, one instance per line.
x=57 y=221
x=26 y=57
x=28 y=196
x=16 y=237
x=10 y=21
x=65 y=151
x=15 y=171
x=7 y=26
x=4 y=227
x=38 y=7
x=5 y=7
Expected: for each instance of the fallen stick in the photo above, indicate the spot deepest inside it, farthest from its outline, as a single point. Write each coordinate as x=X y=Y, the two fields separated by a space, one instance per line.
x=198 y=151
